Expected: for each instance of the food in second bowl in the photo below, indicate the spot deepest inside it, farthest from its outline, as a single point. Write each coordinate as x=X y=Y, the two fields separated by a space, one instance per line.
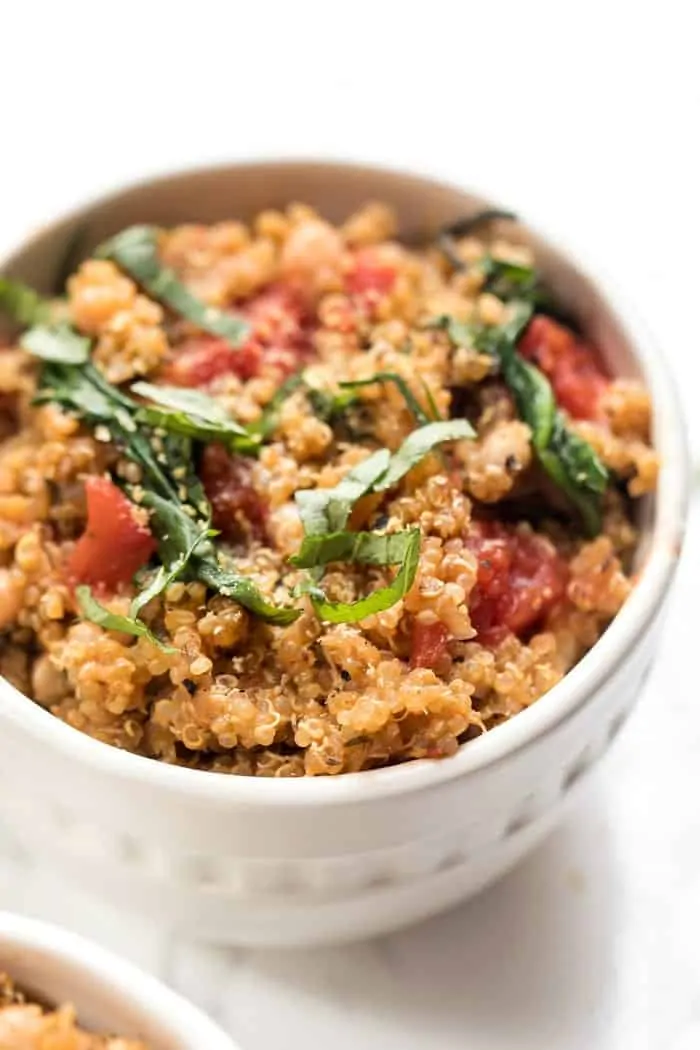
x=27 y=1025
x=299 y=499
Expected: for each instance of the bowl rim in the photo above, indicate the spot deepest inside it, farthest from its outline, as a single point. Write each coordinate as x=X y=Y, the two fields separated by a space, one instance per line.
x=540 y=719
x=85 y=958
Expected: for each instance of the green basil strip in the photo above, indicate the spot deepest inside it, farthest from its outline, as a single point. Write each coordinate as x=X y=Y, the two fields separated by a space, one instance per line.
x=85 y=392
x=365 y=548
x=420 y=415
x=511 y=280
x=59 y=344
x=179 y=535
x=468 y=223
x=178 y=539
x=328 y=406
x=22 y=303
x=434 y=410
x=169 y=487
x=327 y=510
x=269 y=419
x=417 y=446
x=449 y=234
x=572 y=464
x=192 y=414
x=243 y=590
x=92 y=610
x=136 y=251
x=381 y=599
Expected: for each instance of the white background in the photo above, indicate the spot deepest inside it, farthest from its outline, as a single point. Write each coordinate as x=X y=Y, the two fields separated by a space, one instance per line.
x=585 y=115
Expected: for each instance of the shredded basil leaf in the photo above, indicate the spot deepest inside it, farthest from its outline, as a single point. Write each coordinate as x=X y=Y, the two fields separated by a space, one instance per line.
x=92 y=610
x=22 y=303
x=420 y=415
x=269 y=420
x=405 y=547
x=327 y=510
x=365 y=548
x=434 y=410
x=468 y=223
x=60 y=344
x=180 y=512
x=85 y=392
x=192 y=414
x=178 y=539
x=243 y=590
x=136 y=251
x=454 y=231
x=573 y=465
x=417 y=446
x=571 y=462
x=511 y=280
x=328 y=406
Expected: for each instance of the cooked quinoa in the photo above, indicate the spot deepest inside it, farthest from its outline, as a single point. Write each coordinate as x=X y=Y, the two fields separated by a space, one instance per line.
x=27 y=1025
x=517 y=573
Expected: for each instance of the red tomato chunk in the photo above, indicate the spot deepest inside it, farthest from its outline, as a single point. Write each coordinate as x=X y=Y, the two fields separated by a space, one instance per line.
x=205 y=357
x=369 y=276
x=280 y=337
x=520 y=578
x=428 y=644
x=572 y=365
x=237 y=509
x=114 y=545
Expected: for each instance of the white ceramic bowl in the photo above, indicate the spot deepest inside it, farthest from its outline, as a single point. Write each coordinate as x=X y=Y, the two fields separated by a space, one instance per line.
x=110 y=995
x=278 y=861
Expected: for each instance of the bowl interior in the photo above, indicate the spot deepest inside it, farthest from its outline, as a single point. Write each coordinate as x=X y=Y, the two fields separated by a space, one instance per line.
x=423 y=205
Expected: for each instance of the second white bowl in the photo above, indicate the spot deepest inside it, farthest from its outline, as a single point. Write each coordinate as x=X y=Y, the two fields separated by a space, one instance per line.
x=110 y=995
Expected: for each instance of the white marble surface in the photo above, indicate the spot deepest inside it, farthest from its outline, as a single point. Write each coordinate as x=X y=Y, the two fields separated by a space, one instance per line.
x=586 y=116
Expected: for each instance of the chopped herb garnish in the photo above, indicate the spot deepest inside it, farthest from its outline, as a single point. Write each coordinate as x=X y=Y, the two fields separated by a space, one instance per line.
x=178 y=539
x=369 y=548
x=169 y=487
x=571 y=462
x=244 y=591
x=454 y=231
x=329 y=406
x=269 y=420
x=136 y=251
x=21 y=303
x=468 y=223
x=59 y=343
x=364 y=548
x=419 y=413
x=192 y=414
x=510 y=280
x=327 y=510
x=417 y=446
x=92 y=610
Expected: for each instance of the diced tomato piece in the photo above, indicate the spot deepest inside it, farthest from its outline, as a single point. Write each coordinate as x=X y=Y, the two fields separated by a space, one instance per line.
x=278 y=315
x=205 y=357
x=114 y=545
x=428 y=644
x=280 y=337
x=572 y=365
x=369 y=276
x=520 y=578
x=237 y=509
